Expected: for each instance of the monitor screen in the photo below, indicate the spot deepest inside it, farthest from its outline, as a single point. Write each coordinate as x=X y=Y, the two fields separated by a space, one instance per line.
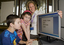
x=49 y=25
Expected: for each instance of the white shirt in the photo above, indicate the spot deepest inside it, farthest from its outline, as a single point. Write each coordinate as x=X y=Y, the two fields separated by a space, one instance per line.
x=34 y=23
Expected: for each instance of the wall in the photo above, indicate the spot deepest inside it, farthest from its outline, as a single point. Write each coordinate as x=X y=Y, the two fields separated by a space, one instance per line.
x=61 y=7
x=0 y=15
x=59 y=4
x=56 y=5
x=6 y=9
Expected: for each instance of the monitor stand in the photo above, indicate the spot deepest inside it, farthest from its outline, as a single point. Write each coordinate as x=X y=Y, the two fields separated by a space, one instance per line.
x=47 y=39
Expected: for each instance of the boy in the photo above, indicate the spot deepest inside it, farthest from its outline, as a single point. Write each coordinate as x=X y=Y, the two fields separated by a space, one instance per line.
x=9 y=36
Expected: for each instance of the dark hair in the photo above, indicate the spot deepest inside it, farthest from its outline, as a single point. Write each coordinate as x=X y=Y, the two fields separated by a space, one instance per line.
x=28 y=13
x=11 y=19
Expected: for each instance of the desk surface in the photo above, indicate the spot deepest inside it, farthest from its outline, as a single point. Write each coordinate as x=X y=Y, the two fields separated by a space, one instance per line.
x=55 y=42
x=41 y=42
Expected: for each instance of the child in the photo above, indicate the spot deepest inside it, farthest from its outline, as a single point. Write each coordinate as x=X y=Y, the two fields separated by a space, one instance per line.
x=9 y=36
x=25 y=24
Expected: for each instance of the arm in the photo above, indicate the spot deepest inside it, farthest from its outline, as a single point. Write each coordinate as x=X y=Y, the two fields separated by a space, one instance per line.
x=23 y=42
x=28 y=31
x=18 y=40
x=25 y=30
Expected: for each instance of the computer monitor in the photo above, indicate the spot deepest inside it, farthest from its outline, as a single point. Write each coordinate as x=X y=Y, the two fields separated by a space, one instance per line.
x=49 y=25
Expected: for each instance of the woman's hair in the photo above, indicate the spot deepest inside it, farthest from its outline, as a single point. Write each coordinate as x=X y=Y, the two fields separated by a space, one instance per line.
x=27 y=6
x=28 y=13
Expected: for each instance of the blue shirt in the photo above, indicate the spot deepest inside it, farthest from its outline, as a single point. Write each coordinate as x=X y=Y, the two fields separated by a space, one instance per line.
x=8 y=38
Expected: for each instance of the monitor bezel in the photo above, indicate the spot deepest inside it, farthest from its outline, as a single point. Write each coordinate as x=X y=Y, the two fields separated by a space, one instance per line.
x=46 y=34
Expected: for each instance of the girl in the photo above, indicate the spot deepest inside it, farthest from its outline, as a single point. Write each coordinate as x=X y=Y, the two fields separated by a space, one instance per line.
x=24 y=32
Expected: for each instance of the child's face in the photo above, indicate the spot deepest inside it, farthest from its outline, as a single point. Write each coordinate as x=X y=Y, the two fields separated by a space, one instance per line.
x=17 y=24
x=26 y=18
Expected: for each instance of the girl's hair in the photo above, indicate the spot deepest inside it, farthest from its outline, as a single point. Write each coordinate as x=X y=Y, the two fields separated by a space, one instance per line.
x=28 y=13
x=11 y=19
x=27 y=6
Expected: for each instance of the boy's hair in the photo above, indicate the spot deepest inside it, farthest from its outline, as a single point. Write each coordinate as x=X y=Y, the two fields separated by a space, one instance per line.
x=11 y=19
x=28 y=13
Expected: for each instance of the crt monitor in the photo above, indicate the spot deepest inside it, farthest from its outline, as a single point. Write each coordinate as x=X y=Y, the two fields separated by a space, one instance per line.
x=49 y=25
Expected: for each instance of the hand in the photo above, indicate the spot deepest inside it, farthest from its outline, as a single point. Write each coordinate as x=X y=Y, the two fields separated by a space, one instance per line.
x=32 y=39
x=60 y=13
x=27 y=42
x=30 y=42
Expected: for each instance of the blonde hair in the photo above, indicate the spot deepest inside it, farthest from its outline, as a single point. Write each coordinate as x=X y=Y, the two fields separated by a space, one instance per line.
x=27 y=6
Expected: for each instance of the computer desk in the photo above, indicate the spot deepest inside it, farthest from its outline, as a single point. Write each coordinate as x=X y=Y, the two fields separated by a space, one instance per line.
x=41 y=41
